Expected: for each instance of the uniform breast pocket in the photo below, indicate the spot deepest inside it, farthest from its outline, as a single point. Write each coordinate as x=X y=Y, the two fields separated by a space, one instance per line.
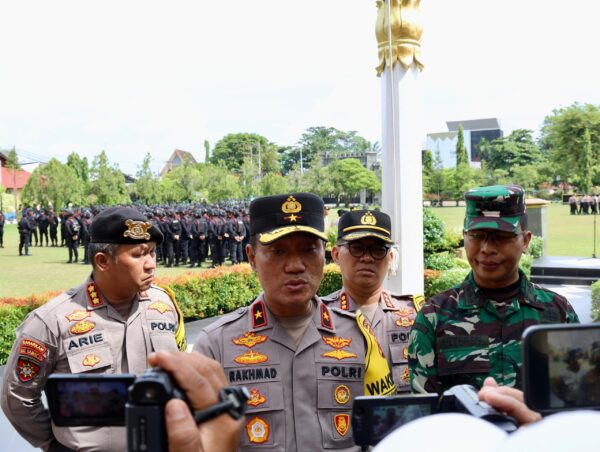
x=399 y=359
x=97 y=359
x=162 y=341
x=265 y=418
x=463 y=355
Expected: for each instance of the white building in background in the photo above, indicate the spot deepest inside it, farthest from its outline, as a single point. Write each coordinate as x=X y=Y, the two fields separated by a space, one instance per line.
x=474 y=131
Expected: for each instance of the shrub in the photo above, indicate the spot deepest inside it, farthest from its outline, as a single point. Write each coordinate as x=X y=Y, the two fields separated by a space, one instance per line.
x=439 y=281
x=596 y=301
x=536 y=247
x=433 y=233
x=525 y=264
x=332 y=280
x=439 y=261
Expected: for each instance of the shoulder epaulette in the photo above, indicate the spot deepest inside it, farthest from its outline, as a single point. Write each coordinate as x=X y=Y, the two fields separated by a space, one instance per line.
x=225 y=319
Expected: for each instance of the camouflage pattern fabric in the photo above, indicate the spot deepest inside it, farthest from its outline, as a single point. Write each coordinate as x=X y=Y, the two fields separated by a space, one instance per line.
x=498 y=207
x=460 y=337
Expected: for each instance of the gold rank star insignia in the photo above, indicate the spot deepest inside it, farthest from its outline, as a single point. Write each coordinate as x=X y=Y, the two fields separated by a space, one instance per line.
x=292 y=217
x=259 y=318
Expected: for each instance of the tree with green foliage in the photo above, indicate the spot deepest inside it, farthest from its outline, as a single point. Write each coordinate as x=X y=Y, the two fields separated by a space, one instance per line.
x=461 y=179
x=80 y=166
x=435 y=184
x=54 y=184
x=462 y=156
x=316 y=141
x=317 y=179
x=563 y=138
x=515 y=150
x=221 y=184
x=526 y=176
x=182 y=184
x=289 y=157
x=349 y=177
x=12 y=163
x=273 y=184
x=107 y=183
x=234 y=147
x=147 y=186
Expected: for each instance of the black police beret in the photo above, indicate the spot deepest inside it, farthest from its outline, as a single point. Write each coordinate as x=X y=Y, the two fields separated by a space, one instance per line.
x=365 y=223
x=123 y=225
x=273 y=217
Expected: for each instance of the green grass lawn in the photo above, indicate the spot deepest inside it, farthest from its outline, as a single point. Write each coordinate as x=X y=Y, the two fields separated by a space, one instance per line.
x=46 y=269
x=568 y=235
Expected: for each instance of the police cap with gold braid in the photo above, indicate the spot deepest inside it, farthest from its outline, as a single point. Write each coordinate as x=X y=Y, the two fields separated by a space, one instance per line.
x=123 y=225
x=274 y=217
x=365 y=223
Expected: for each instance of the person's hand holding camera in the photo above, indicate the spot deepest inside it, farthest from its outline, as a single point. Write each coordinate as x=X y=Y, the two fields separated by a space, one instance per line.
x=201 y=378
x=508 y=400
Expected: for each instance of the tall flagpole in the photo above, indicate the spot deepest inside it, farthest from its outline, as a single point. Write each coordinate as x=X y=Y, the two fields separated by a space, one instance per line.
x=398 y=31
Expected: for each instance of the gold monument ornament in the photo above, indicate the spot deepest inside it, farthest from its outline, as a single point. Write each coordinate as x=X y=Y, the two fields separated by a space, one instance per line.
x=404 y=29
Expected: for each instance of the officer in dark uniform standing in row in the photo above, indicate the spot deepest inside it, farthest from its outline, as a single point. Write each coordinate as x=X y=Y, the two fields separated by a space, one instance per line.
x=199 y=229
x=2 y=221
x=53 y=226
x=167 y=230
x=237 y=233
x=365 y=256
x=42 y=223
x=86 y=222
x=25 y=232
x=303 y=362
x=72 y=227
x=33 y=224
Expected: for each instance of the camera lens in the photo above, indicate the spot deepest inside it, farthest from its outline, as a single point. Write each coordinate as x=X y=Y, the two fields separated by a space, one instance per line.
x=150 y=393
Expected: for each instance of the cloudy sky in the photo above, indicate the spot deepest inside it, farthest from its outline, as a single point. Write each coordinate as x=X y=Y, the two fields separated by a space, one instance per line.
x=134 y=76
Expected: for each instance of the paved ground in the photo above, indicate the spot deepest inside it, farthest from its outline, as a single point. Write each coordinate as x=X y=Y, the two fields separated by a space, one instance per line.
x=579 y=296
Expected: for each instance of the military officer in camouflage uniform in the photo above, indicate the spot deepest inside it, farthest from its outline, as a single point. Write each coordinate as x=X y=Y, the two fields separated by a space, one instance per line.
x=363 y=252
x=473 y=330
x=109 y=324
x=302 y=361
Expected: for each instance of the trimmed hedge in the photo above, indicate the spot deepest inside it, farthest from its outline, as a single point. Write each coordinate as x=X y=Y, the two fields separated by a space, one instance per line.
x=596 y=301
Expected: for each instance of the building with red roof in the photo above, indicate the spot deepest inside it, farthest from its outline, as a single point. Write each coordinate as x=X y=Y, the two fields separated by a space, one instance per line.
x=12 y=180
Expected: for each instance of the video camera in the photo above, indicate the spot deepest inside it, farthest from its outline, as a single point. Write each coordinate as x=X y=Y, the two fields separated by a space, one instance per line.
x=124 y=400
x=374 y=417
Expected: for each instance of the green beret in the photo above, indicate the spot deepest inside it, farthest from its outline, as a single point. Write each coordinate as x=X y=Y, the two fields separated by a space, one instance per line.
x=123 y=225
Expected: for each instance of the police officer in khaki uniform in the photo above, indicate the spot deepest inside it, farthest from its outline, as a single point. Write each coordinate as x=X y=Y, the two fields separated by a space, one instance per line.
x=109 y=324
x=302 y=361
x=363 y=252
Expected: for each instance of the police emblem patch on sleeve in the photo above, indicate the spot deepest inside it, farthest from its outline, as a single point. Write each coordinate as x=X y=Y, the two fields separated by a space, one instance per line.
x=30 y=348
x=341 y=394
x=27 y=370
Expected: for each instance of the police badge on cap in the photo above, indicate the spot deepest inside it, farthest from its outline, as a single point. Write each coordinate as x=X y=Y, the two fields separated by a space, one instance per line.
x=274 y=217
x=123 y=225
x=365 y=223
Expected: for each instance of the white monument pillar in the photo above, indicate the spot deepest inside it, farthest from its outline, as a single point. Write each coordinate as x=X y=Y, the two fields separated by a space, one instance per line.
x=402 y=134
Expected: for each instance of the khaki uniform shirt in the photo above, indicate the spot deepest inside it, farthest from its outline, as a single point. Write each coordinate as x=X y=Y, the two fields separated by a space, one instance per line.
x=301 y=397
x=78 y=332
x=392 y=322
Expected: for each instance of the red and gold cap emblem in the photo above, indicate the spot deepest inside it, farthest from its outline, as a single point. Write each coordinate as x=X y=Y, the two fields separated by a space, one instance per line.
x=339 y=354
x=27 y=370
x=93 y=297
x=33 y=349
x=251 y=357
x=90 y=360
x=337 y=342
x=341 y=394
x=257 y=430
x=160 y=307
x=78 y=315
x=249 y=339
x=341 y=423
x=256 y=398
x=82 y=327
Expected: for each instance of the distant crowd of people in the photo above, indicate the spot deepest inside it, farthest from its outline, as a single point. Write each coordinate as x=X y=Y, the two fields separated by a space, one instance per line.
x=194 y=233
x=584 y=205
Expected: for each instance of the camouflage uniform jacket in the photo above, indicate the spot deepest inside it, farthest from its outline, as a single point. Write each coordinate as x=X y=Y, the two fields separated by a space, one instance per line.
x=460 y=337
x=391 y=323
x=300 y=396
x=79 y=332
